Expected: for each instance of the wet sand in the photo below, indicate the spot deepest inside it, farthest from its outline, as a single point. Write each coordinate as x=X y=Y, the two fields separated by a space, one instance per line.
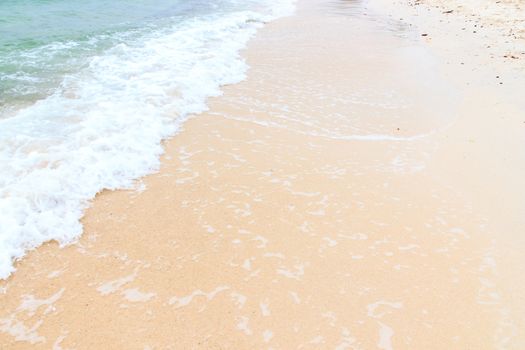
x=362 y=189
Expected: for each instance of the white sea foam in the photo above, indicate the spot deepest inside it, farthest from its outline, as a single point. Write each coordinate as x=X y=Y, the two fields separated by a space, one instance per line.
x=103 y=128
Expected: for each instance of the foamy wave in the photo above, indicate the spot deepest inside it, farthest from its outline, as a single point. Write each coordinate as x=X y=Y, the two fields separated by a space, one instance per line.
x=103 y=128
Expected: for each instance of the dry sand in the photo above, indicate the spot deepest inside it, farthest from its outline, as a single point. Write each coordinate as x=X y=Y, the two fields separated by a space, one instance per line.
x=362 y=189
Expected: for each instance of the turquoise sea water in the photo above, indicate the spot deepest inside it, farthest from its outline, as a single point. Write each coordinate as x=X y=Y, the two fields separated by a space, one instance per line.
x=43 y=40
x=90 y=88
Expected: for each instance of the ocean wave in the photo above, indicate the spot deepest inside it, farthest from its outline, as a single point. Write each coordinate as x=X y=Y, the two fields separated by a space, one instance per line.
x=103 y=127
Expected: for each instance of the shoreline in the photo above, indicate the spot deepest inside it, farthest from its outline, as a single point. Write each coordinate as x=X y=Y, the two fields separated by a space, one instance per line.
x=273 y=224
x=109 y=118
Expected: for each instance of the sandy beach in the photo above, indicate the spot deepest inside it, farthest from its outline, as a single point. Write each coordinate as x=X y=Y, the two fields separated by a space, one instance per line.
x=361 y=189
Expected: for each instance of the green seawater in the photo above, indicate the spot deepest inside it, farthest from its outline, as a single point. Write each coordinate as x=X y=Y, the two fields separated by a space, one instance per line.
x=41 y=41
